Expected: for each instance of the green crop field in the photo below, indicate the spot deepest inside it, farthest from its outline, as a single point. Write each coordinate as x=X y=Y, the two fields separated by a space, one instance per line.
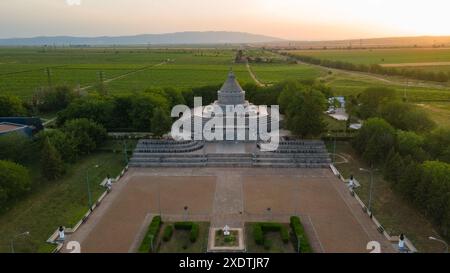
x=23 y=70
x=381 y=56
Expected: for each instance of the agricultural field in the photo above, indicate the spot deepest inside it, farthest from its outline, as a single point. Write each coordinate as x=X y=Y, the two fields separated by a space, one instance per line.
x=23 y=70
x=381 y=56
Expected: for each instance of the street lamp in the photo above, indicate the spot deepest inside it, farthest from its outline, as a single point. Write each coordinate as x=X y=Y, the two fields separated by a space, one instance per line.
x=89 y=187
x=441 y=241
x=334 y=147
x=371 y=185
x=27 y=233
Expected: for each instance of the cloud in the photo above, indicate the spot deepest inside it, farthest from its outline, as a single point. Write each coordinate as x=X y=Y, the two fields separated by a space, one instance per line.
x=73 y=2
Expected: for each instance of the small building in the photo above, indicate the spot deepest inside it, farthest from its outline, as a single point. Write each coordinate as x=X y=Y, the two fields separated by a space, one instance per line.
x=34 y=123
x=9 y=128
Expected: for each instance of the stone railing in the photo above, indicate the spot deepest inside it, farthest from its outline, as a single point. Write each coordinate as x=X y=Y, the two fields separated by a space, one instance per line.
x=380 y=228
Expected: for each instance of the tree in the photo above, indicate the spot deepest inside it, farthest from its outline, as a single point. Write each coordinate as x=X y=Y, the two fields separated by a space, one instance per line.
x=52 y=164
x=437 y=143
x=16 y=147
x=373 y=140
x=14 y=181
x=410 y=143
x=393 y=168
x=86 y=134
x=61 y=141
x=53 y=99
x=406 y=117
x=435 y=188
x=161 y=122
x=371 y=99
x=11 y=106
x=303 y=107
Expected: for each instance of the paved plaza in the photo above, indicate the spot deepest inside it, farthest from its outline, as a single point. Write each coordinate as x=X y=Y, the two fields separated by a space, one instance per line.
x=333 y=219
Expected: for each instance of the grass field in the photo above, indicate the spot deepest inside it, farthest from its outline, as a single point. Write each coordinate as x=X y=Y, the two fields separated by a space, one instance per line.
x=396 y=214
x=63 y=202
x=180 y=243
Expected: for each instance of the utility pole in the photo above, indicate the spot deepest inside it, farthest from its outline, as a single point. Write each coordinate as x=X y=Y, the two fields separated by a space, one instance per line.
x=49 y=77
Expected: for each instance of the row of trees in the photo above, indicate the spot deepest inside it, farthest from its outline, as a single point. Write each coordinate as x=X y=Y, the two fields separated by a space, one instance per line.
x=413 y=154
x=376 y=69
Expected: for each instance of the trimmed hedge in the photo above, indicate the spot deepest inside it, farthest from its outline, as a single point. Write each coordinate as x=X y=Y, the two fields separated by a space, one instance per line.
x=194 y=229
x=151 y=235
x=183 y=225
x=167 y=234
x=258 y=234
x=300 y=235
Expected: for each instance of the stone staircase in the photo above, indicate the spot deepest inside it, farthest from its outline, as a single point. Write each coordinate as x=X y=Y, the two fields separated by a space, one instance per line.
x=291 y=154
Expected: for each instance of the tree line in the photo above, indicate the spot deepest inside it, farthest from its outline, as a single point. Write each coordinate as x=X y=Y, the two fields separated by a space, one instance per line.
x=375 y=68
x=412 y=152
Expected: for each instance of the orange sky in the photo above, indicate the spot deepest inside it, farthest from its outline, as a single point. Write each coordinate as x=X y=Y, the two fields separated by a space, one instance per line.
x=289 y=19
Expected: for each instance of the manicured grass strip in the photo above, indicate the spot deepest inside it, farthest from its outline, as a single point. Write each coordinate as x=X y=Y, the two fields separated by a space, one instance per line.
x=300 y=235
x=150 y=237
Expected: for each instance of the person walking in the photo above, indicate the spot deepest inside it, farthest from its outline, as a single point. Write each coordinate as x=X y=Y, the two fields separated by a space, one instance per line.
x=61 y=234
x=351 y=183
x=401 y=244
x=108 y=184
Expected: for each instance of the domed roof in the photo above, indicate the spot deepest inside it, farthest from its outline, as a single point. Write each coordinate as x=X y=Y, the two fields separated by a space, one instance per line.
x=231 y=85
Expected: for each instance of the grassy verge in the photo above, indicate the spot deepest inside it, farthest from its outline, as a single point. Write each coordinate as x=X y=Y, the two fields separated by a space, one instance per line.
x=63 y=202
x=394 y=213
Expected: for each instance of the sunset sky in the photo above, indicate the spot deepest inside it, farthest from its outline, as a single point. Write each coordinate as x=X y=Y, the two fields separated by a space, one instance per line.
x=289 y=19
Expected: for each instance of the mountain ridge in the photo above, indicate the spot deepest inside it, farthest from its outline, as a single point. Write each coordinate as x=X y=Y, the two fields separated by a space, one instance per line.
x=187 y=37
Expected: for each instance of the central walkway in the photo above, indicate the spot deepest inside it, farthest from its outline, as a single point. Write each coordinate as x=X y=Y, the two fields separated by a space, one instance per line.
x=228 y=204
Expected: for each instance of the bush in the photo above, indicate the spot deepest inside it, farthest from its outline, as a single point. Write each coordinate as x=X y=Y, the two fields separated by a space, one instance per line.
x=183 y=225
x=167 y=234
x=14 y=181
x=300 y=235
x=150 y=236
x=284 y=232
x=270 y=227
x=258 y=234
x=195 y=230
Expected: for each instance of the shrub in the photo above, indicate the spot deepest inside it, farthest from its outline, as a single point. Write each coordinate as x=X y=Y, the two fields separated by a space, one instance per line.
x=258 y=234
x=151 y=234
x=300 y=235
x=270 y=227
x=183 y=225
x=14 y=181
x=167 y=234
x=195 y=230
x=284 y=232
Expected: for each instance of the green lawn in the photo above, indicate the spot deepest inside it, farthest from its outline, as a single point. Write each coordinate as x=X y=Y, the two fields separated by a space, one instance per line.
x=180 y=243
x=50 y=205
x=272 y=73
x=394 y=213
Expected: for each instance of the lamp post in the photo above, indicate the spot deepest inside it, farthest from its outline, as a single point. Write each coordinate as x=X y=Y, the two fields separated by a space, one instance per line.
x=370 y=186
x=334 y=147
x=441 y=241
x=27 y=233
x=89 y=187
x=186 y=212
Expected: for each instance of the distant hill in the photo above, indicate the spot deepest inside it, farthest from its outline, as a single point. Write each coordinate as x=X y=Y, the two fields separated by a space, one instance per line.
x=207 y=37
